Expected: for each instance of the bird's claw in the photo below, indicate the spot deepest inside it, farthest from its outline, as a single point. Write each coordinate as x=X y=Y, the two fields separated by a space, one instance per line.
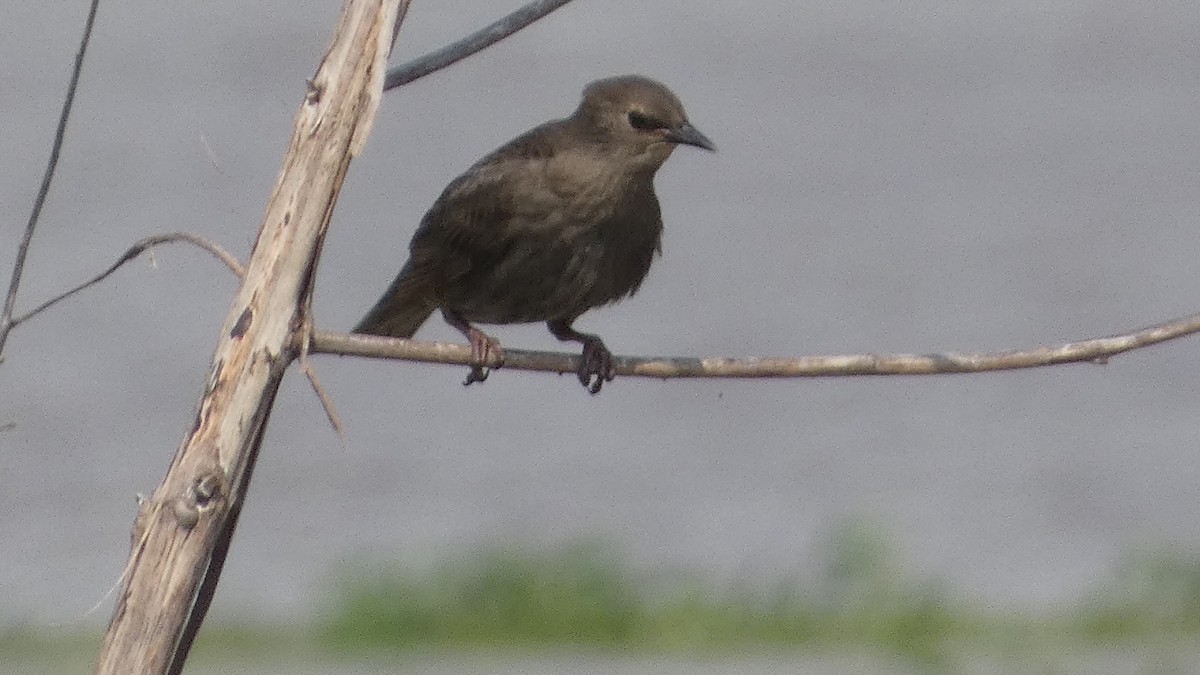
x=596 y=366
x=477 y=374
x=484 y=348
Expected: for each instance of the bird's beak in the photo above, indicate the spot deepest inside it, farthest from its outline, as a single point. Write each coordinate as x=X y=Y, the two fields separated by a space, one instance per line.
x=689 y=135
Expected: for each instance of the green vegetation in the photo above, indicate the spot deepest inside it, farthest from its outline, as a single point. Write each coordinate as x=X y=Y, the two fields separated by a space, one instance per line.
x=574 y=596
x=1153 y=596
x=584 y=598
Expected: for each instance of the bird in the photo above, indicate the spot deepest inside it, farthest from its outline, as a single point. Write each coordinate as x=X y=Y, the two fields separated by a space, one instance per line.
x=559 y=220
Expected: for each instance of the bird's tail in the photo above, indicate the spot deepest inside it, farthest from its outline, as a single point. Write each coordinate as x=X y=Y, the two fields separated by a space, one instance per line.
x=403 y=308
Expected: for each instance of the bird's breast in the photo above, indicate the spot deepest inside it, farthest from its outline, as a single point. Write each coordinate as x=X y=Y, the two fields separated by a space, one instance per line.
x=585 y=237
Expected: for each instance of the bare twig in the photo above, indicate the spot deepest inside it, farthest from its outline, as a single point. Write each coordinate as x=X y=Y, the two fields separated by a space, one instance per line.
x=132 y=252
x=331 y=413
x=304 y=340
x=323 y=342
x=401 y=13
x=1097 y=350
x=477 y=41
x=10 y=300
x=141 y=246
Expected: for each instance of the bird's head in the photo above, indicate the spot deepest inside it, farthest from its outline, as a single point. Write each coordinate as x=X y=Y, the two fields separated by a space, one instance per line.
x=637 y=117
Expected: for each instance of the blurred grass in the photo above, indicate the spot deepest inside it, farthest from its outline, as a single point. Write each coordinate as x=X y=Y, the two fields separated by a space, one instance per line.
x=583 y=596
x=1155 y=595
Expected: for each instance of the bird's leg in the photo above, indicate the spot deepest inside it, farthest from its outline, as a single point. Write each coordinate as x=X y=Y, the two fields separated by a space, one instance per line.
x=596 y=361
x=483 y=347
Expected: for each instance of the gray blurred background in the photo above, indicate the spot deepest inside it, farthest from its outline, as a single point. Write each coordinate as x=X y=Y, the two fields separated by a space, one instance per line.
x=917 y=176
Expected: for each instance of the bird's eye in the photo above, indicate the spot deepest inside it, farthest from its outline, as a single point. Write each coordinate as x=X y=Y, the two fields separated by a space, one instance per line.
x=643 y=122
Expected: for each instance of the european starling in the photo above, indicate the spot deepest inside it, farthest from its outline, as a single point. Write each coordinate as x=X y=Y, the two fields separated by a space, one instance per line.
x=557 y=221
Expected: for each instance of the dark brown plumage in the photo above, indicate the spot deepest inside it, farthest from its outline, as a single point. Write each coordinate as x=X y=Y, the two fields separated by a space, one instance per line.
x=555 y=222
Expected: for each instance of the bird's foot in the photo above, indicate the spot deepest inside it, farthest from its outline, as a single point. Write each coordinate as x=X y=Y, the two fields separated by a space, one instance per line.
x=596 y=365
x=484 y=348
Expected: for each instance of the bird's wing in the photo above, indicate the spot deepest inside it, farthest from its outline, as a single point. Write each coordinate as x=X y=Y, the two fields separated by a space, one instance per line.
x=515 y=191
x=503 y=198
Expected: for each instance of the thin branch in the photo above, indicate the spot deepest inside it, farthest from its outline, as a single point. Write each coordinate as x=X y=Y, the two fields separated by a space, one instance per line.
x=477 y=41
x=221 y=254
x=331 y=412
x=304 y=340
x=6 y=322
x=134 y=251
x=400 y=14
x=1097 y=350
